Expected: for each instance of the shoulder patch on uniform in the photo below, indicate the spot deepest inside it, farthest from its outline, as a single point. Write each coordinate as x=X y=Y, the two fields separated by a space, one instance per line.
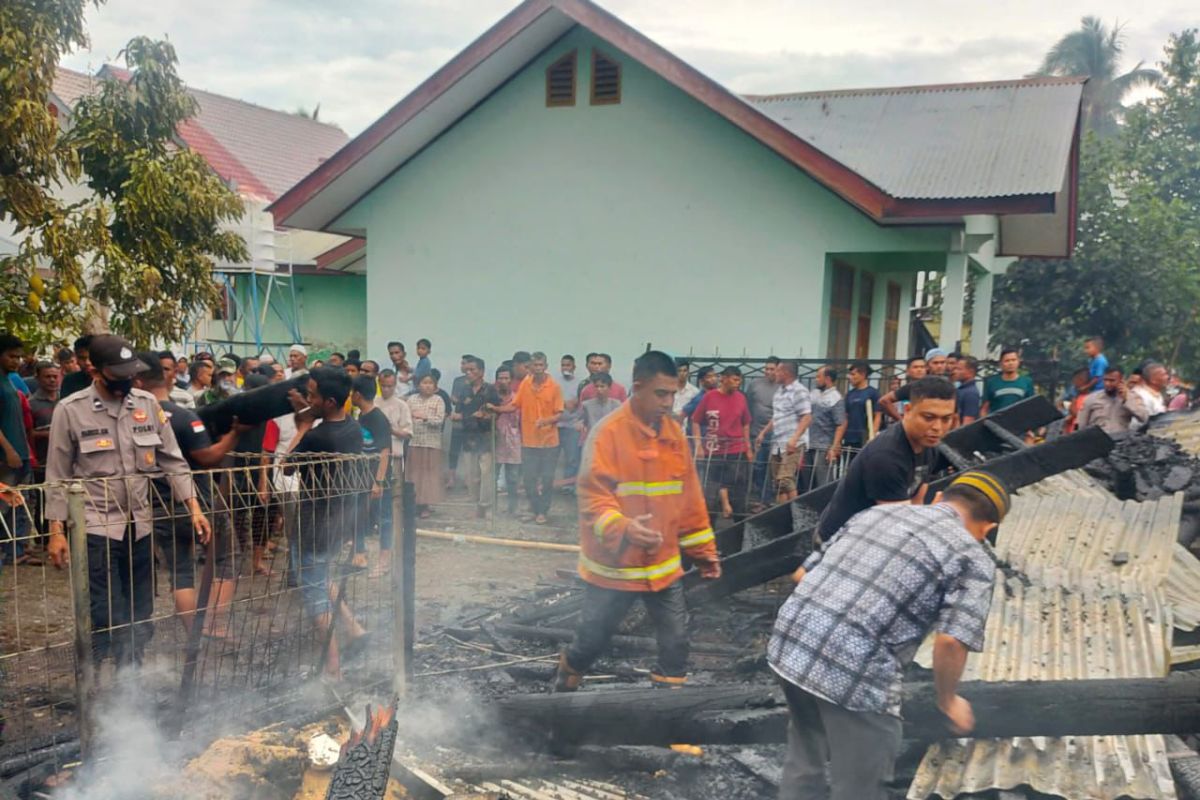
x=162 y=417
x=197 y=426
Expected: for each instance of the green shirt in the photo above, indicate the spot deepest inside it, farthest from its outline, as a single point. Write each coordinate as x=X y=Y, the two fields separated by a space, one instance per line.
x=1000 y=393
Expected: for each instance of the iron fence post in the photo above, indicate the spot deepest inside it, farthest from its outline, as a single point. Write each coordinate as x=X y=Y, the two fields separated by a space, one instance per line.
x=403 y=576
x=85 y=674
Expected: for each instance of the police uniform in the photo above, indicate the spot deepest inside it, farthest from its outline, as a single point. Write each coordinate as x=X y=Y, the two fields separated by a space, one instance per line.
x=115 y=447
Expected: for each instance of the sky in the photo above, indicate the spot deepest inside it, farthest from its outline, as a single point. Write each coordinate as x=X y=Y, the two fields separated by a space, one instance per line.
x=356 y=58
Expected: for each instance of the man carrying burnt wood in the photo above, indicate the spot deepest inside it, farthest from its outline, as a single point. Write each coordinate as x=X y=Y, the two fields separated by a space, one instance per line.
x=861 y=609
x=640 y=505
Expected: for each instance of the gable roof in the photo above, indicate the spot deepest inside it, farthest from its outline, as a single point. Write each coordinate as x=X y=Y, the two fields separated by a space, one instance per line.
x=966 y=140
x=262 y=152
x=513 y=42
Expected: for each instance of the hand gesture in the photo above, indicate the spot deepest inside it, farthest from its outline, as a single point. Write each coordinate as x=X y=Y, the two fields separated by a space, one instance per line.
x=57 y=549
x=960 y=718
x=709 y=570
x=637 y=533
x=203 y=528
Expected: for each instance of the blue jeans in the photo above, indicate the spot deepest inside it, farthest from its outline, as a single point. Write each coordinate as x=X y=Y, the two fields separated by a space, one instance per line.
x=314 y=580
x=568 y=440
x=760 y=486
x=15 y=526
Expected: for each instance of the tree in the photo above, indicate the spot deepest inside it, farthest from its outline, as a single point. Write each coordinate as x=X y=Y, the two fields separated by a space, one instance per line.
x=34 y=160
x=143 y=244
x=1133 y=277
x=1094 y=50
x=167 y=204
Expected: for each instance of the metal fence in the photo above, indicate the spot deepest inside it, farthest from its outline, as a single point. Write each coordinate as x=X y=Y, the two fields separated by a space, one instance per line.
x=184 y=624
x=1045 y=374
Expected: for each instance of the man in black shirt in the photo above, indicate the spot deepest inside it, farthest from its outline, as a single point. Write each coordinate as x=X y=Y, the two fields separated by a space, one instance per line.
x=77 y=381
x=173 y=532
x=377 y=441
x=328 y=501
x=471 y=399
x=894 y=466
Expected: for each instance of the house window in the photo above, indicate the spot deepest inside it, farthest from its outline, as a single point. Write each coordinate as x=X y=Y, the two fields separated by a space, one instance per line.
x=560 y=81
x=891 y=322
x=606 y=80
x=841 y=299
x=866 y=299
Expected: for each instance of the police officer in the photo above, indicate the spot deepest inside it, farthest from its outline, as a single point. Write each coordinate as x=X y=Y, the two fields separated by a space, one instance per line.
x=115 y=439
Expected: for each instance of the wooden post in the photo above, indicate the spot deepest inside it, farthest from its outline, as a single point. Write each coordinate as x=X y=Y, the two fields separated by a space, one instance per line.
x=404 y=587
x=85 y=665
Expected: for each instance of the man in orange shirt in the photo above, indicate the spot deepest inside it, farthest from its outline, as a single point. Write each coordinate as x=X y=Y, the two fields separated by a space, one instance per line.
x=640 y=505
x=540 y=402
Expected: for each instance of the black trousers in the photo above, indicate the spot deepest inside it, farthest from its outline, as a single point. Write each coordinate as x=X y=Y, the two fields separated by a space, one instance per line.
x=121 y=589
x=603 y=611
x=537 y=466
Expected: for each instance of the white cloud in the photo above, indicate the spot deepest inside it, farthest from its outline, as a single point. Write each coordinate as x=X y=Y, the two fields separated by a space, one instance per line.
x=358 y=57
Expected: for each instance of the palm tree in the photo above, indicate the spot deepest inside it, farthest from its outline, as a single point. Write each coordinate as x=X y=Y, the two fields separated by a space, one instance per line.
x=1095 y=50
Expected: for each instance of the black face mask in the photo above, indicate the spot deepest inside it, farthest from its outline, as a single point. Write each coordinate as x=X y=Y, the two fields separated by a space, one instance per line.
x=119 y=388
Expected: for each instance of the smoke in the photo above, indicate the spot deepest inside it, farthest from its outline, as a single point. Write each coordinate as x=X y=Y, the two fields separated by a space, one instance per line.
x=131 y=755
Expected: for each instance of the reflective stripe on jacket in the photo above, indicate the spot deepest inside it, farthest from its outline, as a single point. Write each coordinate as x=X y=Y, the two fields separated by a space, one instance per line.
x=628 y=470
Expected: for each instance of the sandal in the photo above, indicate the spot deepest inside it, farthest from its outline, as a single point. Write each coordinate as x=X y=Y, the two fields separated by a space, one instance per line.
x=525 y=518
x=542 y=519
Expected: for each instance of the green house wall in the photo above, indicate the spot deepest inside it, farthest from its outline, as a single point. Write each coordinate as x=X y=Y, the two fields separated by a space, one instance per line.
x=610 y=227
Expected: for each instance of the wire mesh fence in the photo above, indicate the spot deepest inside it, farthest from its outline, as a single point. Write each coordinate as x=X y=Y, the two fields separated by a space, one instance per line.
x=230 y=619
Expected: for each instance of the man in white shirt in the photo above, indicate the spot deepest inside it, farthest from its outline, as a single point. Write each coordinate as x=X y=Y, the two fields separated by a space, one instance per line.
x=686 y=390
x=1151 y=392
x=297 y=359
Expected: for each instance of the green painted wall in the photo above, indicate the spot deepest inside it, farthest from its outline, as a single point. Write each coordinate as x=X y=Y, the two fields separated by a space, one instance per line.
x=604 y=228
x=331 y=312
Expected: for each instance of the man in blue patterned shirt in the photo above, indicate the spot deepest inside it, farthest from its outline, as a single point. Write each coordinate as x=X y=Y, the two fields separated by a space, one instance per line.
x=862 y=608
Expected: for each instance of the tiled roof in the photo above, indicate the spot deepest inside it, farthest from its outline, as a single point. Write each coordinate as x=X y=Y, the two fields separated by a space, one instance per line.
x=70 y=85
x=261 y=151
x=277 y=147
x=966 y=140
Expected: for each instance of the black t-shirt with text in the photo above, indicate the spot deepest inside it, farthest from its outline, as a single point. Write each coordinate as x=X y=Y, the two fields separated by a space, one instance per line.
x=887 y=470
x=191 y=435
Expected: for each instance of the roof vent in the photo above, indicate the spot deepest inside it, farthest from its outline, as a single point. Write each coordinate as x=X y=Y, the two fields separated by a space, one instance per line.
x=606 y=80
x=560 y=81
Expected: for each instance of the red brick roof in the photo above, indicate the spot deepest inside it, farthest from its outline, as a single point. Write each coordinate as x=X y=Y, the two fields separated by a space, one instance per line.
x=261 y=151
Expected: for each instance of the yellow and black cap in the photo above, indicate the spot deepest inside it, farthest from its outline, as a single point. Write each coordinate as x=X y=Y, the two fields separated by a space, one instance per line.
x=989 y=486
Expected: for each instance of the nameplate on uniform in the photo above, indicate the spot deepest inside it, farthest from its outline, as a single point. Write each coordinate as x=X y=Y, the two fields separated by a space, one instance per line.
x=94 y=432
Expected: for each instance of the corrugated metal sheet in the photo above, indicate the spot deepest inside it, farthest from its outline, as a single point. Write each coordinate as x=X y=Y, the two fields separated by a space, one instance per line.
x=540 y=789
x=981 y=140
x=1099 y=584
x=1109 y=630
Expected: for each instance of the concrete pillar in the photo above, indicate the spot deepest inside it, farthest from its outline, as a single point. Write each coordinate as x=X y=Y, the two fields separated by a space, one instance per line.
x=981 y=315
x=953 y=300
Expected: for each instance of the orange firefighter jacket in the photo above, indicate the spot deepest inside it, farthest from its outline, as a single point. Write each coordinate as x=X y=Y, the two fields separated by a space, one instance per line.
x=628 y=470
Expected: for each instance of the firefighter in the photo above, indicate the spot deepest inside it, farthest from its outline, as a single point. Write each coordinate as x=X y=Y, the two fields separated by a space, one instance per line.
x=115 y=438
x=640 y=505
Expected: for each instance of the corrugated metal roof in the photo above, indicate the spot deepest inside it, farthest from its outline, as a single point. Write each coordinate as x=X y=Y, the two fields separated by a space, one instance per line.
x=932 y=142
x=1073 y=611
x=1112 y=630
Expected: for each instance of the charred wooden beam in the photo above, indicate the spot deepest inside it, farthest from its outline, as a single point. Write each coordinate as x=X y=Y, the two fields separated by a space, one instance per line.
x=362 y=771
x=636 y=643
x=780 y=557
x=742 y=715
